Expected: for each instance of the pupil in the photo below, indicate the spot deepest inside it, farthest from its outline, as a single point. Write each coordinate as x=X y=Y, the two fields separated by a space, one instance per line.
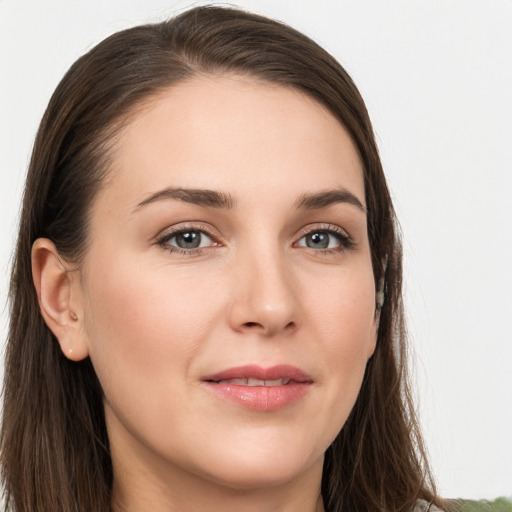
x=188 y=240
x=318 y=240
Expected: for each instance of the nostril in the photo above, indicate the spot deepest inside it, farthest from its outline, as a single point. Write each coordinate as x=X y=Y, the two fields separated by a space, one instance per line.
x=253 y=324
x=290 y=326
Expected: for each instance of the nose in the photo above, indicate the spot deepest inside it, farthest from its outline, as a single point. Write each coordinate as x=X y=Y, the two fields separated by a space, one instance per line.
x=265 y=299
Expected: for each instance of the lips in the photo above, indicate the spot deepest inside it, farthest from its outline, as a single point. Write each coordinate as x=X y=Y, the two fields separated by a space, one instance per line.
x=258 y=388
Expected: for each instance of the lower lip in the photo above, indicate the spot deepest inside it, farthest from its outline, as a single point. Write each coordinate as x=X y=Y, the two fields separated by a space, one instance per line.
x=261 y=398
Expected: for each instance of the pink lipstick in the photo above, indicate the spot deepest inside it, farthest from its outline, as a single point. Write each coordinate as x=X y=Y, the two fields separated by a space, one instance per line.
x=262 y=389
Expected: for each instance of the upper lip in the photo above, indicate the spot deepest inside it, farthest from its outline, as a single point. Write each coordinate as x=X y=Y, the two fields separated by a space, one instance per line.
x=252 y=371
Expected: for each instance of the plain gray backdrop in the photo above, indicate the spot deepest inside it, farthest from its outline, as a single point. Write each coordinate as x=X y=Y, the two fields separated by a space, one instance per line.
x=437 y=79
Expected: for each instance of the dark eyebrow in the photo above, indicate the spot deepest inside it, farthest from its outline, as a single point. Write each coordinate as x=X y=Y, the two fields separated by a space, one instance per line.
x=317 y=200
x=207 y=198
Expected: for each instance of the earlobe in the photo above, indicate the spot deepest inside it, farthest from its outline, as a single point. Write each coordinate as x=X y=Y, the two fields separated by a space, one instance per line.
x=58 y=293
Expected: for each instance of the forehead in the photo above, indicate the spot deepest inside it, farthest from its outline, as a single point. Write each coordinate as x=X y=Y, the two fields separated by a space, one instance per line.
x=220 y=132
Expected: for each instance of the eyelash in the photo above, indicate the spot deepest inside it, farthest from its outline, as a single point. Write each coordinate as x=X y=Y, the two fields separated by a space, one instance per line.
x=345 y=241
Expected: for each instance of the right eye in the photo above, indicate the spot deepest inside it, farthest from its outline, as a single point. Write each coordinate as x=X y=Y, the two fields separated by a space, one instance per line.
x=187 y=240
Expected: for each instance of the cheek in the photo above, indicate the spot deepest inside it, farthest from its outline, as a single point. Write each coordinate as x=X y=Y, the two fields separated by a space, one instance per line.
x=343 y=311
x=141 y=322
x=344 y=317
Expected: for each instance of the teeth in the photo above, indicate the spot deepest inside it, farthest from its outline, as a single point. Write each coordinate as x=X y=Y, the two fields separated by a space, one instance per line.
x=255 y=382
x=240 y=382
x=276 y=382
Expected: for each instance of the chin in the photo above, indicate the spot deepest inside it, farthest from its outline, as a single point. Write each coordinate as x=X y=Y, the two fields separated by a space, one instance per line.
x=249 y=479
x=251 y=471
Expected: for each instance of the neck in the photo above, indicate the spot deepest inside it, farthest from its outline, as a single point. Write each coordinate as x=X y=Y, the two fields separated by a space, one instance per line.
x=228 y=502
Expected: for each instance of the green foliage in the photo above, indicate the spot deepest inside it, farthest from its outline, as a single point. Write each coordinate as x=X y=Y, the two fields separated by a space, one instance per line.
x=498 y=505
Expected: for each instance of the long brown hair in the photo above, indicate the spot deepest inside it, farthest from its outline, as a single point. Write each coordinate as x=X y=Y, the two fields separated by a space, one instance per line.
x=54 y=444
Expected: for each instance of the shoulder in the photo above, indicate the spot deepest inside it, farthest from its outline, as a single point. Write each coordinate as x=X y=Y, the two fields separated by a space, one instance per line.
x=425 y=506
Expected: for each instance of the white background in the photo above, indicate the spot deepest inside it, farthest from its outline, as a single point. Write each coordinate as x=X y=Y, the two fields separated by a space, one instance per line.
x=437 y=78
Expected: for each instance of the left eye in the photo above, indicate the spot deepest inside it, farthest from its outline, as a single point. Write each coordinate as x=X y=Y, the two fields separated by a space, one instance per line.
x=188 y=239
x=321 y=240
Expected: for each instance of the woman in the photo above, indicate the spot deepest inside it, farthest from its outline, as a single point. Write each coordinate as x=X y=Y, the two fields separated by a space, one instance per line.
x=206 y=293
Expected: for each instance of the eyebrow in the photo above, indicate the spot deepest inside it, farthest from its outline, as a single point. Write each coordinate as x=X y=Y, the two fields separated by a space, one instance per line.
x=318 y=200
x=206 y=198
x=215 y=199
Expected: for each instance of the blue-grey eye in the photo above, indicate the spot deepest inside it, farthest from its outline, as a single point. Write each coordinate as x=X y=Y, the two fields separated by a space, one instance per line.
x=320 y=240
x=189 y=239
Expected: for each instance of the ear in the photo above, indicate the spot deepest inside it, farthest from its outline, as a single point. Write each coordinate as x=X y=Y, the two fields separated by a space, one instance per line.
x=379 y=303
x=59 y=295
x=374 y=335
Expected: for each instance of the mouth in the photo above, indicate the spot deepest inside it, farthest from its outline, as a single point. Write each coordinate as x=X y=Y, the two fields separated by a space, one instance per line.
x=257 y=388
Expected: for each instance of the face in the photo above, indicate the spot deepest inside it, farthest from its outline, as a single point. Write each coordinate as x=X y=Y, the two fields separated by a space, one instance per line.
x=228 y=293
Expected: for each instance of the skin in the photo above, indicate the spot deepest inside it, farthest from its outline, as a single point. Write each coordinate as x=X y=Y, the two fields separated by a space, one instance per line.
x=156 y=319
